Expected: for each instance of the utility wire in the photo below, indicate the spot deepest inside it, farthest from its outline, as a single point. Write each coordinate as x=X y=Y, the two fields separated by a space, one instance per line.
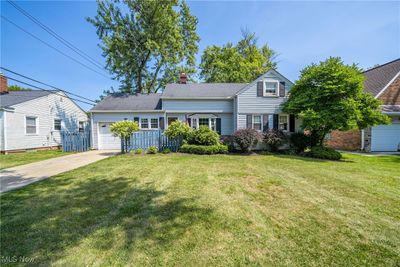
x=50 y=91
x=26 y=77
x=49 y=45
x=57 y=36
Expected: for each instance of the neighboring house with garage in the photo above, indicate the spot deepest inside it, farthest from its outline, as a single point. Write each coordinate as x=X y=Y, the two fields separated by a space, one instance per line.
x=35 y=119
x=223 y=107
x=383 y=82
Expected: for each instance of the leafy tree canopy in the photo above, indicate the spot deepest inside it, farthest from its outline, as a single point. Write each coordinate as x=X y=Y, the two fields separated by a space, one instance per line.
x=146 y=43
x=17 y=88
x=329 y=96
x=242 y=62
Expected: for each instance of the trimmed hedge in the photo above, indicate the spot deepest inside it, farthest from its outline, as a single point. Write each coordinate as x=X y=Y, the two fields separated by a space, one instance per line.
x=204 y=150
x=322 y=152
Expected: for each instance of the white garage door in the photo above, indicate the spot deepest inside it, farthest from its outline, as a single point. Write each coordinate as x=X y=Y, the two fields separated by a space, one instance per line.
x=106 y=138
x=385 y=137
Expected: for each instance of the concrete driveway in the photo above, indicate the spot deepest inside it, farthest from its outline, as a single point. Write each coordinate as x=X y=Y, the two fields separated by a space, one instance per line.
x=23 y=175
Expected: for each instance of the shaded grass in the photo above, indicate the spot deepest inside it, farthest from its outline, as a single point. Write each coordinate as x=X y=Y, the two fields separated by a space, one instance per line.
x=15 y=159
x=180 y=210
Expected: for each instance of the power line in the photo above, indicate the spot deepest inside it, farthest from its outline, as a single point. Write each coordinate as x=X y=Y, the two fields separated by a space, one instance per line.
x=26 y=77
x=50 y=91
x=56 y=49
x=57 y=36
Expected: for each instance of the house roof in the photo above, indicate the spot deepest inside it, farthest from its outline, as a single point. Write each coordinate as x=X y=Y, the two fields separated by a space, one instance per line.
x=376 y=79
x=125 y=102
x=202 y=90
x=16 y=97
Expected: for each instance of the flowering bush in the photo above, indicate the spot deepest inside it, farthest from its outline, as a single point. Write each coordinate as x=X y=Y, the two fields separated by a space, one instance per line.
x=246 y=138
x=274 y=138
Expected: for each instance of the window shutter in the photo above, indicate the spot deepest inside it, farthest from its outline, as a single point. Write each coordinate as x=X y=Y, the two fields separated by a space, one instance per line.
x=265 y=122
x=218 y=125
x=291 y=123
x=276 y=121
x=260 y=88
x=136 y=119
x=249 y=122
x=161 y=123
x=189 y=121
x=282 y=89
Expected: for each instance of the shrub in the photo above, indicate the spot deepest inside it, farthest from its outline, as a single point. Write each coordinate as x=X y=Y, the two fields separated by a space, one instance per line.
x=204 y=150
x=246 y=138
x=274 y=138
x=166 y=151
x=139 y=151
x=124 y=129
x=152 y=150
x=299 y=141
x=322 y=152
x=229 y=142
x=203 y=136
x=178 y=129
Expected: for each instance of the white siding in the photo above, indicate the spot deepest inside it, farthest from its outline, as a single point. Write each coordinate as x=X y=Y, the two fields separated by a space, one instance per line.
x=46 y=109
x=219 y=106
x=113 y=117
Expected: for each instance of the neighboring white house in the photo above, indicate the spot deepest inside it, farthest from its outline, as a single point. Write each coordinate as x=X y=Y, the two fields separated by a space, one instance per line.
x=35 y=119
x=223 y=107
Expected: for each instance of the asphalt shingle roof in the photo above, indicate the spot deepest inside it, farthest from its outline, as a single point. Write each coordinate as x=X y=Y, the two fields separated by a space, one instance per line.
x=377 y=78
x=193 y=90
x=16 y=97
x=129 y=102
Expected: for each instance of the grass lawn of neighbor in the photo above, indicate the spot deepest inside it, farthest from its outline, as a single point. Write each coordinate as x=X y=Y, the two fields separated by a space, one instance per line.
x=186 y=210
x=15 y=159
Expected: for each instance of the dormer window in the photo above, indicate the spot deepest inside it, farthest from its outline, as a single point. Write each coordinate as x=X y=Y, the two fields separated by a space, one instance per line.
x=271 y=88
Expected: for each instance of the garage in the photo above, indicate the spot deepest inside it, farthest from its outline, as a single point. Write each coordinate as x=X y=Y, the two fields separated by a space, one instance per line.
x=106 y=139
x=385 y=137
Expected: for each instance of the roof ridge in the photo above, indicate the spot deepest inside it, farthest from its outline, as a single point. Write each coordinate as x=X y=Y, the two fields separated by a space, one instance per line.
x=384 y=64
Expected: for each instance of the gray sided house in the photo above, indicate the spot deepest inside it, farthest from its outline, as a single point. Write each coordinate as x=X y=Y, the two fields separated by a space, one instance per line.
x=35 y=119
x=223 y=107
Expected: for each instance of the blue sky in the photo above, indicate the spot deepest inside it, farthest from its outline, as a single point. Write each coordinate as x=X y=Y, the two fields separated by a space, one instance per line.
x=362 y=32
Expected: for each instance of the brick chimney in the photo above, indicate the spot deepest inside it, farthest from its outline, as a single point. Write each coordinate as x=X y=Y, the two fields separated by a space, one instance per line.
x=3 y=84
x=183 y=78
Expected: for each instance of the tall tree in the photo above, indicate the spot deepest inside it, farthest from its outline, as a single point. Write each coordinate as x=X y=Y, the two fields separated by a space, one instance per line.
x=242 y=62
x=146 y=43
x=330 y=96
x=18 y=88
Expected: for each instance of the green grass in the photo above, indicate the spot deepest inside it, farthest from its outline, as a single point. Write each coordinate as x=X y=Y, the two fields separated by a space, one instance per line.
x=178 y=210
x=15 y=159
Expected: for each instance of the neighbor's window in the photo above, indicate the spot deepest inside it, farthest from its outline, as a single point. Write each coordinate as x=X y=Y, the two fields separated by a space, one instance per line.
x=283 y=122
x=31 y=125
x=154 y=123
x=81 y=127
x=144 y=123
x=257 y=122
x=270 y=88
x=57 y=124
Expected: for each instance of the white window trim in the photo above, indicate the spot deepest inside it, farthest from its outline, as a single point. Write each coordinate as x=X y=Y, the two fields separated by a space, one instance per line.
x=276 y=90
x=158 y=124
x=36 y=124
x=148 y=123
x=54 y=125
x=252 y=122
x=287 y=122
x=209 y=118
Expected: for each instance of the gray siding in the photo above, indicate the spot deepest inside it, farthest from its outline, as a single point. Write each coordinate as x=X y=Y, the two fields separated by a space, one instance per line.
x=46 y=109
x=187 y=105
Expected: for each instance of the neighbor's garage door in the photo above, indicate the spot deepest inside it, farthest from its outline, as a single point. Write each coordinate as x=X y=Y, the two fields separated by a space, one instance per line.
x=106 y=138
x=385 y=137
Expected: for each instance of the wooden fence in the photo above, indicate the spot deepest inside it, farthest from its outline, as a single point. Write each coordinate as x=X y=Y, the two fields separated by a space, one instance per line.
x=75 y=141
x=156 y=138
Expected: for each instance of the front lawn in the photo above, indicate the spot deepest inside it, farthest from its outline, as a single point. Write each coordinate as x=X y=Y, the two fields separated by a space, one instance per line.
x=15 y=159
x=183 y=210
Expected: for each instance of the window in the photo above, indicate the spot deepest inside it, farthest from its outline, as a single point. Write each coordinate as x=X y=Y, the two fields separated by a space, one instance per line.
x=213 y=124
x=283 y=122
x=194 y=123
x=30 y=125
x=257 y=122
x=57 y=125
x=203 y=122
x=154 y=123
x=144 y=123
x=271 y=88
x=81 y=127
x=171 y=120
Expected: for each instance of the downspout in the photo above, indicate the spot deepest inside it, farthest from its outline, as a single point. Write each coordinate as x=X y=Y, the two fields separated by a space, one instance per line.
x=362 y=139
x=91 y=131
x=5 y=130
